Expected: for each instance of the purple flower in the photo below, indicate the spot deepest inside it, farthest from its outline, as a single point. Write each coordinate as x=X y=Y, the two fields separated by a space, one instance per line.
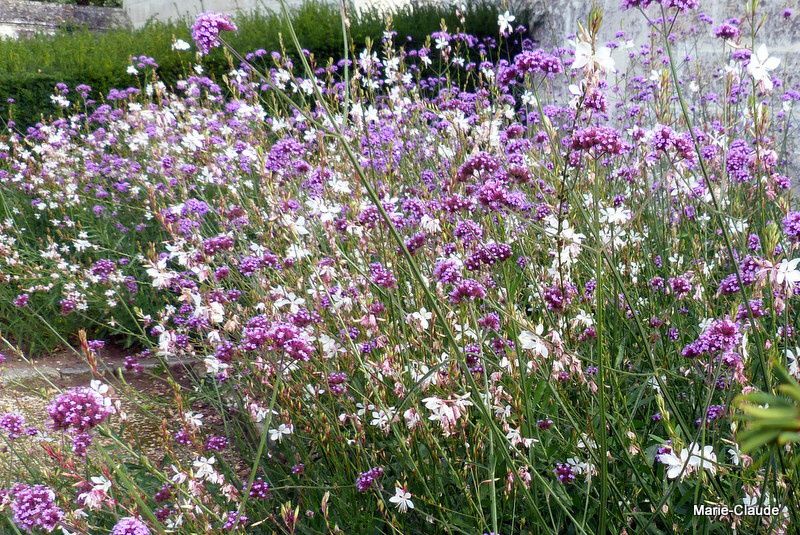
x=791 y=226
x=714 y=412
x=600 y=139
x=368 y=479
x=381 y=276
x=130 y=526
x=630 y=4
x=681 y=5
x=233 y=519
x=79 y=409
x=81 y=443
x=467 y=289
x=35 y=507
x=13 y=424
x=259 y=489
x=727 y=30
x=206 y=29
x=537 y=61
x=564 y=473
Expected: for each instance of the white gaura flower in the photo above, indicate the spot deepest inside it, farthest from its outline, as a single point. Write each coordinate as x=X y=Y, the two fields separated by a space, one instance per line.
x=289 y=298
x=615 y=215
x=690 y=460
x=276 y=435
x=180 y=45
x=675 y=463
x=421 y=318
x=382 y=419
x=532 y=341
x=761 y=63
x=447 y=411
x=586 y=442
x=504 y=21
x=204 y=467
x=402 y=499
x=791 y=361
x=736 y=454
x=786 y=273
x=93 y=498
x=582 y=468
x=193 y=419
x=159 y=273
x=589 y=58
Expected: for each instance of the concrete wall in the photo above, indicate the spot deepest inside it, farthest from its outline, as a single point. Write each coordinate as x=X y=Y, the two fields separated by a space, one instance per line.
x=556 y=19
x=141 y=11
x=20 y=18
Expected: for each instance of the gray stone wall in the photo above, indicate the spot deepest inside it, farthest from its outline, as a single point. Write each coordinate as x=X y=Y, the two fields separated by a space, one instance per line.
x=20 y=18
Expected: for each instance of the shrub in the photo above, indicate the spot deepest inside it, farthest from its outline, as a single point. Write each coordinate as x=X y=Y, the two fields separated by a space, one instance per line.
x=29 y=68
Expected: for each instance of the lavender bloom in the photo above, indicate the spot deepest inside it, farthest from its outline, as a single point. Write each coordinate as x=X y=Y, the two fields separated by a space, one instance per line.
x=130 y=526
x=564 y=473
x=13 y=424
x=206 y=30
x=791 y=226
x=35 y=507
x=368 y=479
x=79 y=409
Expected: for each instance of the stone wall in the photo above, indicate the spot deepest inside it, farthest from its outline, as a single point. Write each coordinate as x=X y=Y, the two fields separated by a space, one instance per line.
x=20 y=18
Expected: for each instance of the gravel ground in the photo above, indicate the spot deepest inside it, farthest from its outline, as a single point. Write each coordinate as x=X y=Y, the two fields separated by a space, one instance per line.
x=27 y=386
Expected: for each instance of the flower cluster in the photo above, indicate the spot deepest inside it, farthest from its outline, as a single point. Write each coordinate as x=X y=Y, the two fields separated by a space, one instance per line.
x=79 y=409
x=346 y=288
x=34 y=507
x=206 y=30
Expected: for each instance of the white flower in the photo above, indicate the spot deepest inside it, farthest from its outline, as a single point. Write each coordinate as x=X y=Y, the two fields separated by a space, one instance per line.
x=586 y=57
x=94 y=497
x=60 y=100
x=382 y=419
x=736 y=454
x=791 y=361
x=292 y=300
x=159 y=273
x=204 y=467
x=582 y=468
x=132 y=70
x=761 y=63
x=675 y=463
x=504 y=21
x=402 y=499
x=276 y=435
x=533 y=342
x=786 y=273
x=447 y=411
x=586 y=442
x=99 y=387
x=193 y=419
x=180 y=45
x=421 y=318
x=691 y=459
x=615 y=215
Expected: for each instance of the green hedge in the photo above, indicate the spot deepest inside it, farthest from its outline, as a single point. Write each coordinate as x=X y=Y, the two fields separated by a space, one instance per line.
x=30 y=68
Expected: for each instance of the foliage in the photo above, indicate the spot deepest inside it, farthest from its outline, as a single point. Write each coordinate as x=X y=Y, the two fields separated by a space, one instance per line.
x=462 y=286
x=29 y=67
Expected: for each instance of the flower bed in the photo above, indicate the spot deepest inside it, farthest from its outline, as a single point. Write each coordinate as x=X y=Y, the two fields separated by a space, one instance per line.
x=432 y=289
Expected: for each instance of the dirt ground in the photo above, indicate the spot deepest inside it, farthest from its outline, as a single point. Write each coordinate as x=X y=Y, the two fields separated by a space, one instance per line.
x=27 y=386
